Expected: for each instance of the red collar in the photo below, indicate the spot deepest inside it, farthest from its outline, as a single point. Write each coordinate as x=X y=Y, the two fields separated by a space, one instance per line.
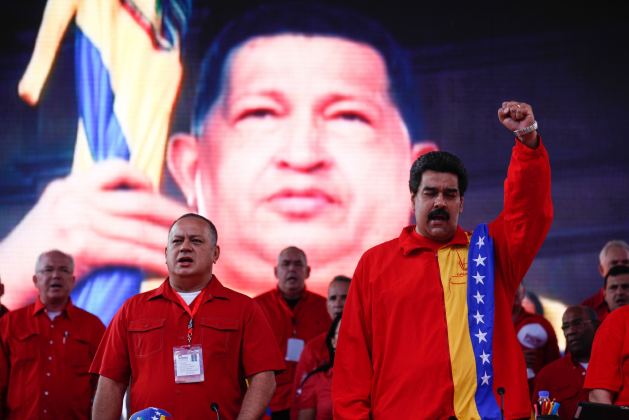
x=411 y=241
x=39 y=307
x=214 y=290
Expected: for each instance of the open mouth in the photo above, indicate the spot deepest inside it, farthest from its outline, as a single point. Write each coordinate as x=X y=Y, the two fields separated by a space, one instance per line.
x=185 y=260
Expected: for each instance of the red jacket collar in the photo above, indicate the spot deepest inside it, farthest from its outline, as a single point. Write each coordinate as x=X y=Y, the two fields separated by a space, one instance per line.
x=39 y=306
x=215 y=290
x=411 y=241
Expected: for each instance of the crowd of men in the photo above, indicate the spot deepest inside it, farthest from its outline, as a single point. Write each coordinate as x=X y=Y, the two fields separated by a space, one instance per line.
x=429 y=326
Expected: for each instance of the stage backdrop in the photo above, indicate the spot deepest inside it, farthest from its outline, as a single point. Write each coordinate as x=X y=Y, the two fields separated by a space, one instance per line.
x=569 y=64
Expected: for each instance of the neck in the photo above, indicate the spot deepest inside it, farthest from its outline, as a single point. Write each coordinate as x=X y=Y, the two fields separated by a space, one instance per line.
x=187 y=285
x=581 y=358
x=55 y=306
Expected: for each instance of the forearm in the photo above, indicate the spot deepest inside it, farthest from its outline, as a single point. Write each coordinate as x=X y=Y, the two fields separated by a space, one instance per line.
x=108 y=399
x=602 y=396
x=261 y=389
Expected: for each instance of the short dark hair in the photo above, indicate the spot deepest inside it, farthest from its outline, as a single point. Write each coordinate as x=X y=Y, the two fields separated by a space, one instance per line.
x=341 y=278
x=438 y=162
x=617 y=270
x=311 y=19
x=211 y=227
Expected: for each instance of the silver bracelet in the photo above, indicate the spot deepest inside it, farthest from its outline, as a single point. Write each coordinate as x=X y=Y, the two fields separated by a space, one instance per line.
x=526 y=130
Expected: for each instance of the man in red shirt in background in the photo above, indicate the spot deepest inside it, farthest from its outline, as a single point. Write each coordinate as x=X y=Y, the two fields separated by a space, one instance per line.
x=426 y=328
x=564 y=378
x=316 y=351
x=46 y=349
x=615 y=252
x=536 y=336
x=192 y=346
x=296 y=316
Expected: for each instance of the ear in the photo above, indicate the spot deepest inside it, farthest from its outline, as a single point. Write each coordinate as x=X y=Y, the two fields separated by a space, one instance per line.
x=461 y=208
x=275 y=272
x=182 y=158
x=601 y=271
x=217 y=253
x=307 y=271
x=421 y=148
x=35 y=280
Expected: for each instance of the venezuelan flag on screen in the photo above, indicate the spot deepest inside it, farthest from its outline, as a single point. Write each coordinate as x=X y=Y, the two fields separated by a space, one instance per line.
x=128 y=73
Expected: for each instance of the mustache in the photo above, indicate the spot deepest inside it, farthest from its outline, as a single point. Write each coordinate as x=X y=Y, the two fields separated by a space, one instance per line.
x=439 y=213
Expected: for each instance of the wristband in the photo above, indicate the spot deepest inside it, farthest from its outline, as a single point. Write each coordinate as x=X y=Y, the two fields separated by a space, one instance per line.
x=522 y=131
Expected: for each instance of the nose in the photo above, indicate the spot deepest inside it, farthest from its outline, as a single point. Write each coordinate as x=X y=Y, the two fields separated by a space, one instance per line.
x=302 y=148
x=439 y=202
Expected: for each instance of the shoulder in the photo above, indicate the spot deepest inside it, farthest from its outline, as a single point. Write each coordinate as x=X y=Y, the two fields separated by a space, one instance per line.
x=87 y=317
x=315 y=297
x=16 y=317
x=619 y=316
x=265 y=297
x=551 y=370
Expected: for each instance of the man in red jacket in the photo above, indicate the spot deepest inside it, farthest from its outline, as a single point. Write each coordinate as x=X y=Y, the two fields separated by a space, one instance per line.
x=296 y=316
x=427 y=328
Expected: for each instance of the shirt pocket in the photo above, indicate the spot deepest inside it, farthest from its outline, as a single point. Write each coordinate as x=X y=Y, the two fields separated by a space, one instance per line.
x=25 y=348
x=218 y=335
x=78 y=355
x=147 y=336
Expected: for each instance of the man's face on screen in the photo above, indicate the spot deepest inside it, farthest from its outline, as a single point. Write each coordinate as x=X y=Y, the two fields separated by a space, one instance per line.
x=304 y=147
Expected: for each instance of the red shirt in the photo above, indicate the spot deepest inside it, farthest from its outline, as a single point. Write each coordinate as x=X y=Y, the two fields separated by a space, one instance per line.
x=230 y=327
x=544 y=352
x=609 y=363
x=317 y=393
x=314 y=355
x=564 y=379
x=393 y=357
x=306 y=320
x=597 y=302
x=44 y=364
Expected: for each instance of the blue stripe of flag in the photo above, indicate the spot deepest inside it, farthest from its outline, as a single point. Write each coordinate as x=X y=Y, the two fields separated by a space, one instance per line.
x=103 y=291
x=480 y=303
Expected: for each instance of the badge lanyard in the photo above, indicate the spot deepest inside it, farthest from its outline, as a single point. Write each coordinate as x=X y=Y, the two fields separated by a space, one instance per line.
x=192 y=309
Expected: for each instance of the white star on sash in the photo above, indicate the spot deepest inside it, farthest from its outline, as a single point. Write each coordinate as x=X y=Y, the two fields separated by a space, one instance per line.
x=481 y=336
x=479 y=318
x=485 y=379
x=479 y=278
x=481 y=242
x=479 y=297
x=485 y=357
x=480 y=260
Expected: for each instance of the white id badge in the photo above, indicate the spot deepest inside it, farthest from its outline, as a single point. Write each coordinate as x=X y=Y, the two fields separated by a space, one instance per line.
x=293 y=349
x=188 y=364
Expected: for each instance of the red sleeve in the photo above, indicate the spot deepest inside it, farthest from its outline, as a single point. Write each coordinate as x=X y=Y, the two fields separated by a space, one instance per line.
x=605 y=368
x=353 y=371
x=260 y=352
x=521 y=227
x=4 y=363
x=112 y=357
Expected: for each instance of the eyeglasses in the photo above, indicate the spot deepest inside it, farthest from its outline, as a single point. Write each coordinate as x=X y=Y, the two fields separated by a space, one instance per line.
x=577 y=323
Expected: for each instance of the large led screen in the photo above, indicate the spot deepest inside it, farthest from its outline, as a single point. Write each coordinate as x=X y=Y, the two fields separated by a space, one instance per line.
x=111 y=130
